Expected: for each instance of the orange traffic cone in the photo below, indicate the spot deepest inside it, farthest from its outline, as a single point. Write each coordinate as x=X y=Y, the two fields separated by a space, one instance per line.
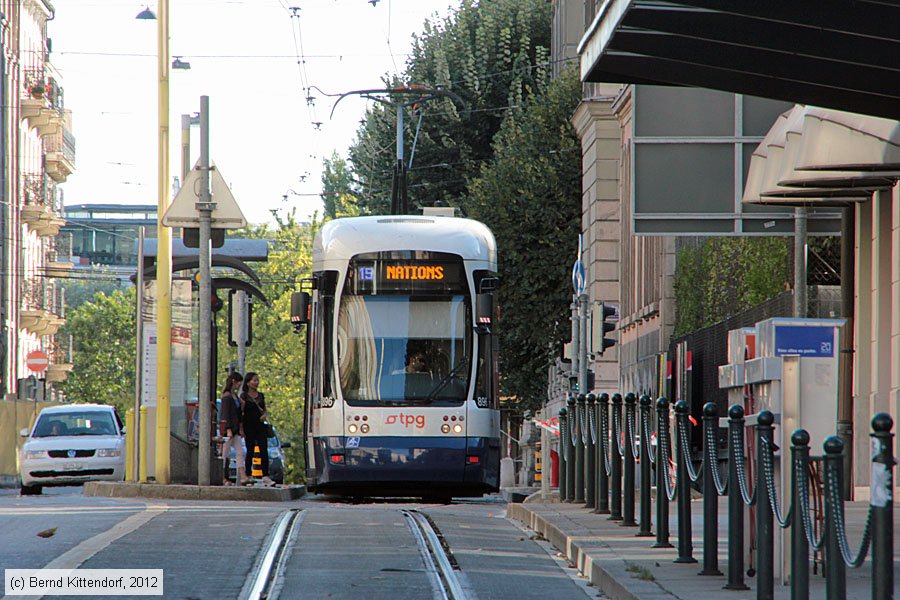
x=256 y=468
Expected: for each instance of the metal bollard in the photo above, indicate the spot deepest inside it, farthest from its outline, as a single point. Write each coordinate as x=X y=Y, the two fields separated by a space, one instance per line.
x=799 y=543
x=683 y=487
x=578 y=441
x=563 y=442
x=570 y=448
x=882 y=507
x=835 y=568
x=710 y=494
x=644 y=425
x=590 y=454
x=765 y=535
x=628 y=470
x=735 y=502
x=602 y=454
x=662 y=501
x=615 y=459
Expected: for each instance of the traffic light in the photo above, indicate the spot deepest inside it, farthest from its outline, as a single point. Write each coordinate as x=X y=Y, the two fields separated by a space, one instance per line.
x=600 y=327
x=215 y=302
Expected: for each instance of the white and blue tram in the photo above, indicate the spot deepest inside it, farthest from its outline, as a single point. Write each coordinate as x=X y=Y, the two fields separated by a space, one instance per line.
x=401 y=390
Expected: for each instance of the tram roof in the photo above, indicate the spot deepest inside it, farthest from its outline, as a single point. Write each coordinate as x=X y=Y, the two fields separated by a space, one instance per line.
x=341 y=239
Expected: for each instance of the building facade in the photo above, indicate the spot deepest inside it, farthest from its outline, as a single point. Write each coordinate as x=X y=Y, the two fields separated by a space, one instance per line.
x=38 y=155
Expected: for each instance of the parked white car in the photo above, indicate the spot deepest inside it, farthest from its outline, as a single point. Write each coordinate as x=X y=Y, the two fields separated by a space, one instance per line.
x=70 y=445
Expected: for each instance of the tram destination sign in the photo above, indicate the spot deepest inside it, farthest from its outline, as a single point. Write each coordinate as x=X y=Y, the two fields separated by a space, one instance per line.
x=379 y=276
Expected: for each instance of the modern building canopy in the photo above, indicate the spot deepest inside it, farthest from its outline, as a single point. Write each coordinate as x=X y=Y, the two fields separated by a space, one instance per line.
x=830 y=53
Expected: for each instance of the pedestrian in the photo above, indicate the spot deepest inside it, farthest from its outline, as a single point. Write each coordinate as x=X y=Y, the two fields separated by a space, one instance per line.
x=255 y=426
x=230 y=424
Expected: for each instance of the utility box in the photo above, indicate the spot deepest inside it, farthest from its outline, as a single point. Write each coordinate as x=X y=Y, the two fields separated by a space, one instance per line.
x=795 y=376
x=741 y=348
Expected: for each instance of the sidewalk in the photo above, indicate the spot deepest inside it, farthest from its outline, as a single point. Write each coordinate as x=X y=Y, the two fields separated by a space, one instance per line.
x=626 y=567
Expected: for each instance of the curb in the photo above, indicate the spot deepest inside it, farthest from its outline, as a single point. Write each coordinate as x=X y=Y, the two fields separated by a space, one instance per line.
x=592 y=557
x=115 y=489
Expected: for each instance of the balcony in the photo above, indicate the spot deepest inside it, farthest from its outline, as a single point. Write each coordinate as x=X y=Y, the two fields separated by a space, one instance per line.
x=42 y=310
x=42 y=102
x=40 y=212
x=59 y=151
x=60 y=360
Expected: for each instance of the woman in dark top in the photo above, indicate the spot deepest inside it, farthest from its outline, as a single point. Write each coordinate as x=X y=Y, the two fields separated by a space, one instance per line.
x=253 y=420
x=230 y=424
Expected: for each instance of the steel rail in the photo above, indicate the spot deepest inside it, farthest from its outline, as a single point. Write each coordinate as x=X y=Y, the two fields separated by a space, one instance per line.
x=435 y=556
x=273 y=561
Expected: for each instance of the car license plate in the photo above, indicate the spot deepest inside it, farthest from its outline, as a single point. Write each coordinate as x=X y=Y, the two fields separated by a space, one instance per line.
x=72 y=466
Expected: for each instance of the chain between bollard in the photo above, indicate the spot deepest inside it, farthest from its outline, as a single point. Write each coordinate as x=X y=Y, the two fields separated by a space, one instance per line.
x=801 y=472
x=663 y=444
x=737 y=438
x=833 y=495
x=712 y=455
x=768 y=468
x=681 y=431
x=604 y=436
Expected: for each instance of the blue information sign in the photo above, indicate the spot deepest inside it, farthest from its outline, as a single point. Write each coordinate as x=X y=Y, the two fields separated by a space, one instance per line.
x=804 y=340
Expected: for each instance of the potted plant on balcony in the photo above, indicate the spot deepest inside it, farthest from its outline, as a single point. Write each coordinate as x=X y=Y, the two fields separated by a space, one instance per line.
x=38 y=90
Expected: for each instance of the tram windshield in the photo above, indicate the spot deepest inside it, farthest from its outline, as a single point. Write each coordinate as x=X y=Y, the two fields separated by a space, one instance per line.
x=400 y=344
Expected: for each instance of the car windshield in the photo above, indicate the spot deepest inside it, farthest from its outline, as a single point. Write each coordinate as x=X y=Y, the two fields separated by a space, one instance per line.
x=75 y=423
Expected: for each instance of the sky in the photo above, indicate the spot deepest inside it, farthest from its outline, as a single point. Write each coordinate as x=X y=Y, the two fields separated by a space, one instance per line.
x=255 y=59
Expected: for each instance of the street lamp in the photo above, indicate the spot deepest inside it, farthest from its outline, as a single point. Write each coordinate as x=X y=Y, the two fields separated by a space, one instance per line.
x=164 y=251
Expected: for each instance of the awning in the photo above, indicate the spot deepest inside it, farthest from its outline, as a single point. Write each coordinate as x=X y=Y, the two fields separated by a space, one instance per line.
x=778 y=173
x=831 y=53
x=836 y=139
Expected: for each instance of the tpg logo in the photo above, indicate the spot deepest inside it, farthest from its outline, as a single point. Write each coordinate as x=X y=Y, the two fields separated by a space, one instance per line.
x=406 y=420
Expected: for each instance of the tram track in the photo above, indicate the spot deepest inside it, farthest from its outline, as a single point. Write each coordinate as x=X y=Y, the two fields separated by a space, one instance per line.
x=437 y=558
x=262 y=582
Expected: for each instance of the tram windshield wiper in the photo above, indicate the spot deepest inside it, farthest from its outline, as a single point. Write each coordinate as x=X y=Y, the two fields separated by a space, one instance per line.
x=460 y=367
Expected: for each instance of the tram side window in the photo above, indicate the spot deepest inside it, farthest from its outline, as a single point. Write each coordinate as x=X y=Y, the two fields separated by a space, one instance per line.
x=329 y=286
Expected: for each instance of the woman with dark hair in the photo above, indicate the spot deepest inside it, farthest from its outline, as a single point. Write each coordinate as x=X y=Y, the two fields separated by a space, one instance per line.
x=230 y=423
x=254 y=422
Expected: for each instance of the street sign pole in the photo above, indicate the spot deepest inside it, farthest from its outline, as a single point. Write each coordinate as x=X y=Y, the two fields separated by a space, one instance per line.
x=205 y=208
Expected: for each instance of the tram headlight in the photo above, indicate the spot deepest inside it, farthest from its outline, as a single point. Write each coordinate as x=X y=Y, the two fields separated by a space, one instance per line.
x=457 y=428
x=364 y=428
x=352 y=428
x=445 y=428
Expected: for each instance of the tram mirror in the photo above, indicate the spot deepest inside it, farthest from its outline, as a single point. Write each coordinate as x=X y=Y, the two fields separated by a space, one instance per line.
x=299 y=309
x=484 y=312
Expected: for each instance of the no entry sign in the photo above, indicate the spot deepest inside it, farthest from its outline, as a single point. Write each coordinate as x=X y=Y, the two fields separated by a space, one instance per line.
x=37 y=361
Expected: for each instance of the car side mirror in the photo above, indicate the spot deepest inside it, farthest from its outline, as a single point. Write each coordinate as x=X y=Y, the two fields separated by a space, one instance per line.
x=299 y=309
x=24 y=432
x=285 y=444
x=123 y=431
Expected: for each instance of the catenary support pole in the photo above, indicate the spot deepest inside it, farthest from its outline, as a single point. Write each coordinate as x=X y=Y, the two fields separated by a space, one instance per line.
x=205 y=208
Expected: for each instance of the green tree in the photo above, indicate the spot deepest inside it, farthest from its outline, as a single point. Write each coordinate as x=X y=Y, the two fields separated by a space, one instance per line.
x=493 y=55
x=103 y=350
x=529 y=195
x=82 y=286
x=337 y=188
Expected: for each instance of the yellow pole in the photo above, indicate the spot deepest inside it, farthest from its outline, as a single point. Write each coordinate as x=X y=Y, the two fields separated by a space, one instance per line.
x=142 y=445
x=129 y=445
x=163 y=261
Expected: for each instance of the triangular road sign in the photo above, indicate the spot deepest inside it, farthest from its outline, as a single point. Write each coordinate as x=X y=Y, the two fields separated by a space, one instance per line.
x=183 y=210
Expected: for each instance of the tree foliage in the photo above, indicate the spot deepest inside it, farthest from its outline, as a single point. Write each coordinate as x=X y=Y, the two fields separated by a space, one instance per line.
x=103 y=351
x=706 y=288
x=493 y=55
x=337 y=188
x=529 y=195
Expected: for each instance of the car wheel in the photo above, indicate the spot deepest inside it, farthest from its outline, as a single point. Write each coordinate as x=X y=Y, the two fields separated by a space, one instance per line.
x=31 y=490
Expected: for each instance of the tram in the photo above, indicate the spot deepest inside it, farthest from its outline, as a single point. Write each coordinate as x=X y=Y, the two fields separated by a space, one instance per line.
x=401 y=382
